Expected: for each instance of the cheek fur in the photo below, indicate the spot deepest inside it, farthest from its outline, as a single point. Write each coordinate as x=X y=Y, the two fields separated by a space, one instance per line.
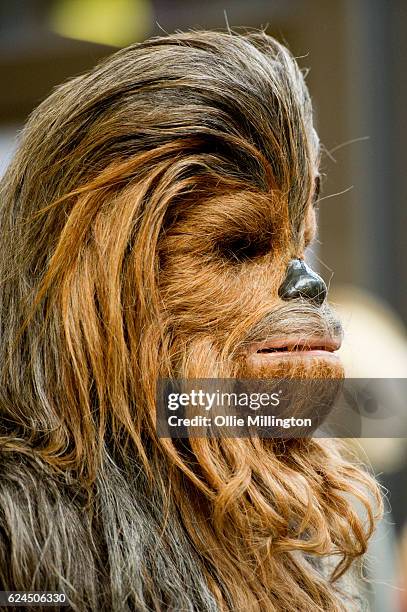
x=206 y=295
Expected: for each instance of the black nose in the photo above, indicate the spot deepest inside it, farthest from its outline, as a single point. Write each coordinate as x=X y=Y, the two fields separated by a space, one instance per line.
x=302 y=282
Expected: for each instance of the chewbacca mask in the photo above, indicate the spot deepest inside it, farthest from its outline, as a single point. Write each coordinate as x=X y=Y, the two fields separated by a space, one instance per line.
x=153 y=224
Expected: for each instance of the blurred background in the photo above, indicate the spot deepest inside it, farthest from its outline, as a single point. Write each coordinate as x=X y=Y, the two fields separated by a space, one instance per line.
x=356 y=52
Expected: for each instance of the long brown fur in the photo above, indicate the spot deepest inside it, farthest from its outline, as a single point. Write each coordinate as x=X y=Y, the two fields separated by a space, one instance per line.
x=146 y=222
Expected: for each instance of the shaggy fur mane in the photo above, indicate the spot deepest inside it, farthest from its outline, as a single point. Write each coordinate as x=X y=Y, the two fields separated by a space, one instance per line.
x=146 y=221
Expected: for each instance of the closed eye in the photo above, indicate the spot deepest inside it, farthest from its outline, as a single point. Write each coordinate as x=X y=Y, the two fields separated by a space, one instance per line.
x=245 y=248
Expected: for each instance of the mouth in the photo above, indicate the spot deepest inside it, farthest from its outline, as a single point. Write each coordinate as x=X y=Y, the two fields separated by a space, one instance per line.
x=296 y=348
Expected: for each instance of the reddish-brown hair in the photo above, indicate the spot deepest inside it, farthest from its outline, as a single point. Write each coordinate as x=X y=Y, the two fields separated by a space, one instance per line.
x=124 y=258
